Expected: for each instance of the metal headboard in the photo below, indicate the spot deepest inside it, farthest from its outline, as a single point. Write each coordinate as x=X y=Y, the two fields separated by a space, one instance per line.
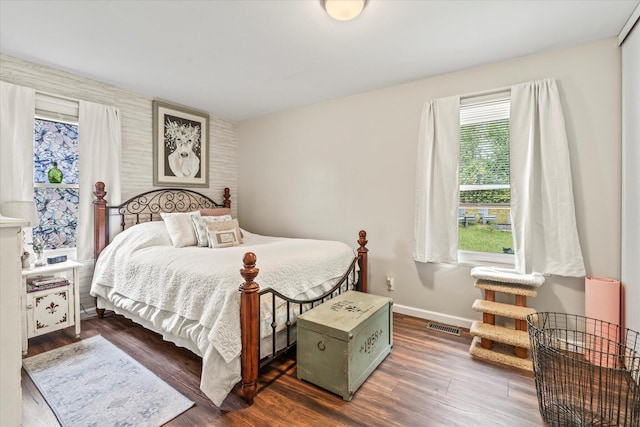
x=148 y=206
x=145 y=207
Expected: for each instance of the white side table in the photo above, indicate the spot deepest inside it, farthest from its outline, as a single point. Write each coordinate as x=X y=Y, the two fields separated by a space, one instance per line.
x=49 y=310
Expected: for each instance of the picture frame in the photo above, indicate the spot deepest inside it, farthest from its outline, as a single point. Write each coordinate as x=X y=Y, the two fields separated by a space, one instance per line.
x=180 y=146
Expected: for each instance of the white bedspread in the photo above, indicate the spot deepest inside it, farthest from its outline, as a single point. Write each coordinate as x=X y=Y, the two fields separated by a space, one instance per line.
x=201 y=284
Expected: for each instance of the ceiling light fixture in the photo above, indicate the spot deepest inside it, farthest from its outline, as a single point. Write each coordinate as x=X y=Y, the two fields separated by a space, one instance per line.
x=344 y=10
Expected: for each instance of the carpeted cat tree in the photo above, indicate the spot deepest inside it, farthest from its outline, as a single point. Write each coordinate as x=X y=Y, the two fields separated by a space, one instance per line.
x=503 y=343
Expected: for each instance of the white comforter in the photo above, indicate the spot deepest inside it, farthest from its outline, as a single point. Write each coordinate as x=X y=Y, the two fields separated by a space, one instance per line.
x=201 y=284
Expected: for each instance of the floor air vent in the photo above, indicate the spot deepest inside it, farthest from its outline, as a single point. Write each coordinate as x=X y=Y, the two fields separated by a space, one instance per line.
x=444 y=328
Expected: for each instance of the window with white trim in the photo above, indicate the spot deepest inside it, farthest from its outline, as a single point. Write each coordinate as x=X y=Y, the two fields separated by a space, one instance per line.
x=484 y=225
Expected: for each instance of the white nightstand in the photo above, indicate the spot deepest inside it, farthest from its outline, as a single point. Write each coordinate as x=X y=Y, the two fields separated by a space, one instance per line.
x=48 y=310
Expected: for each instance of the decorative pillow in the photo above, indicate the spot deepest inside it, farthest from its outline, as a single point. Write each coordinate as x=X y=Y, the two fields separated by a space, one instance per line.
x=215 y=211
x=180 y=228
x=200 y=227
x=225 y=226
x=223 y=239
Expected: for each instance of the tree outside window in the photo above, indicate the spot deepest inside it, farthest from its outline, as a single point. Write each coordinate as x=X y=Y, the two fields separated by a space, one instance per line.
x=484 y=221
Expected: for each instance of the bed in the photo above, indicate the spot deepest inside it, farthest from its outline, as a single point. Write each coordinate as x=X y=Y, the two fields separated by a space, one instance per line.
x=193 y=295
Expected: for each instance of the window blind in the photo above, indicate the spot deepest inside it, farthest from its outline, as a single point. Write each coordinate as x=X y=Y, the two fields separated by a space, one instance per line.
x=485 y=110
x=55 y=108
x=484 y=145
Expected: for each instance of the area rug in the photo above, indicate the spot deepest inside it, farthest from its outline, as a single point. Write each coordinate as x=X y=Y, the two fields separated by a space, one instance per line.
x=94 y=383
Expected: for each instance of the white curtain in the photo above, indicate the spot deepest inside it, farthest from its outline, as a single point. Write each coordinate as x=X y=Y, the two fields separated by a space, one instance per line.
x=542 y=208
x=436 y=215
x=17 y=108
x=99 y=133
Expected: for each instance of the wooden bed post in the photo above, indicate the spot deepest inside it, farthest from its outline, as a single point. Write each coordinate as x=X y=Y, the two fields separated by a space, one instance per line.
x=100 y=217
x=100 y=230
x=249 y=317
x=227 y=198
x=363 y=253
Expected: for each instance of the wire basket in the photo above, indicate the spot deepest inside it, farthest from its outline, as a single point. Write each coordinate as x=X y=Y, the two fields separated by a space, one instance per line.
x=587 y=371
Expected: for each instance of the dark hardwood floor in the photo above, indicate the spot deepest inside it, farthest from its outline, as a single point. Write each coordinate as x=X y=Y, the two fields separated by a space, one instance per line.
x=428 y=380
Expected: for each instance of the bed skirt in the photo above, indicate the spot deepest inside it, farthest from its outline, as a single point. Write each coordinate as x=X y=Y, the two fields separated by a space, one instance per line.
x=218 y=376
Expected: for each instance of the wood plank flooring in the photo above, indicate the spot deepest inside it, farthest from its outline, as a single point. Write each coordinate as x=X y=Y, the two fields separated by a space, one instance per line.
x=428 y=380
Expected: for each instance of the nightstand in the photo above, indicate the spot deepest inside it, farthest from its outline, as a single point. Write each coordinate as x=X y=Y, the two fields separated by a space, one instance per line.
x=49 y=310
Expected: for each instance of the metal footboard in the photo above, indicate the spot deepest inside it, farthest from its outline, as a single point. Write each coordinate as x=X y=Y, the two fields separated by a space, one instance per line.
x=349 y=281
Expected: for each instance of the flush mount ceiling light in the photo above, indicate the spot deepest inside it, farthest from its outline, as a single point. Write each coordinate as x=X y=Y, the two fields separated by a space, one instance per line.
x=344 y=10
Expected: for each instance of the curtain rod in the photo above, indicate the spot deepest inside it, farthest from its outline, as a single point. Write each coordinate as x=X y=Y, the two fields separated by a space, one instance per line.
x=485 y=92
x=55 y=95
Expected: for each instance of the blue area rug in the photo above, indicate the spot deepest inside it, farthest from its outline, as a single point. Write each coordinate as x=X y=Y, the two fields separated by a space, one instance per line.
x=94 y=383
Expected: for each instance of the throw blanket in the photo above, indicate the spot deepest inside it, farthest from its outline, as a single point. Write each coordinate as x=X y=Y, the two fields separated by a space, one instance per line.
x=202 y=283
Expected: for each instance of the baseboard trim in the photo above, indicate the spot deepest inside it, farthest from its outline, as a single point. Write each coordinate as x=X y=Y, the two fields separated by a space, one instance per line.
x=434 y=316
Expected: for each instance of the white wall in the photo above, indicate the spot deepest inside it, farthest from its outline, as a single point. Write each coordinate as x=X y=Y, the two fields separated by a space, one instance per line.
x=136 y=114
x=631 y=177
x=330 y=169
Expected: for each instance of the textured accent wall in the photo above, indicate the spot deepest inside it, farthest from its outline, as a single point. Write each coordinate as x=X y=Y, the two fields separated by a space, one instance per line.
x=136 y=115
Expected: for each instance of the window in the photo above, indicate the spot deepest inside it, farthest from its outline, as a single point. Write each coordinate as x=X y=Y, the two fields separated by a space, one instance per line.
x=484 y=213
x=55 y=146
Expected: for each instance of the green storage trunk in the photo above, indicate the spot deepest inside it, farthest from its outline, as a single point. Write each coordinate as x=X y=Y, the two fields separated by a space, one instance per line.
x=342 y=341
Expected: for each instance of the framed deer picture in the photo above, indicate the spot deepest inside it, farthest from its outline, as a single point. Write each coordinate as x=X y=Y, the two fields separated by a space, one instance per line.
x=180 y=146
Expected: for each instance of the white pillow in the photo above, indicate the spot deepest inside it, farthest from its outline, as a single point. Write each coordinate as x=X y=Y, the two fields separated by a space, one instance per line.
x=200 y=227
x=180 y=228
